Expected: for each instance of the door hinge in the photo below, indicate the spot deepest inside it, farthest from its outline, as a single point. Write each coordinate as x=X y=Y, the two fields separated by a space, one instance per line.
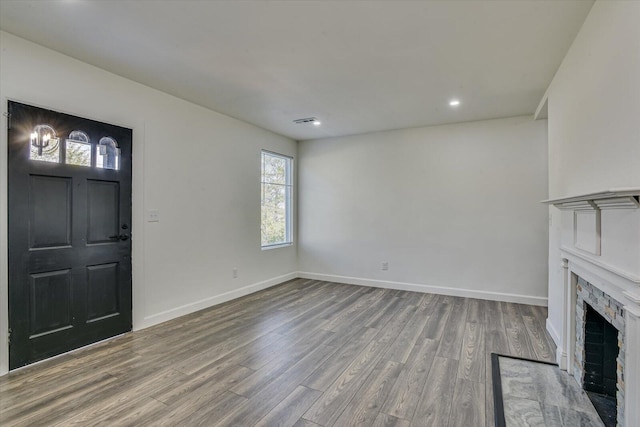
x=8 y=116
x=9 y=336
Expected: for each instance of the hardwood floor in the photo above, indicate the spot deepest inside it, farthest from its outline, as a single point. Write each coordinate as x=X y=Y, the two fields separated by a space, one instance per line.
x=305 y=353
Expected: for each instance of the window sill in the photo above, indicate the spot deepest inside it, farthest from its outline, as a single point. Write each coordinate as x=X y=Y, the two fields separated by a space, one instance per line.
x=281 y=245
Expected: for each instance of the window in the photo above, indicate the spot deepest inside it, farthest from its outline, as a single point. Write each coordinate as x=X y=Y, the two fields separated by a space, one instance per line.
x=276 y=200
x=107 y=154
x=44 y=144
x=45 y=147
x=78 y=149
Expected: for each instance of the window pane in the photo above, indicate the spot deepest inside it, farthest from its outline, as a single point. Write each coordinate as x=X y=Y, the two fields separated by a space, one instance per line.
x=44 y=145
x=108 y=154
x=274 y=169
x=78 y=149
x=78 y=153
x=50 y=153
x=274 y=214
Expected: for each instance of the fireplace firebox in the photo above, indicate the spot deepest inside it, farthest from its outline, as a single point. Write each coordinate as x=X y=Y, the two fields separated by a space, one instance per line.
x=600 y=364
x=600 y=354
x=600 y=351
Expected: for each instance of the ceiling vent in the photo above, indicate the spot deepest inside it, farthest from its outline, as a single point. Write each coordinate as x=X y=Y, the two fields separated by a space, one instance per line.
x=306 y=120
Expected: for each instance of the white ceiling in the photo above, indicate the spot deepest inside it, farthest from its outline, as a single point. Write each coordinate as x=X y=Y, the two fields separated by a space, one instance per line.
x=359 y=66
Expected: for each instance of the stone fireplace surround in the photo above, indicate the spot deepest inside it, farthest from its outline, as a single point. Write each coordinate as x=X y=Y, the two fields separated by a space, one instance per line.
x=601 y=245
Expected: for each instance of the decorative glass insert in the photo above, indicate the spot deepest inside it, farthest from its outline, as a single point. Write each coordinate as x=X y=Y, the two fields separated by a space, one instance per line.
x=44 y=144
x=78 y=149
x=107 y=154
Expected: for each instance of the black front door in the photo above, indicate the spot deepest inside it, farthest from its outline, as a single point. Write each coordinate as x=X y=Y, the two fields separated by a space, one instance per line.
x=69 y=232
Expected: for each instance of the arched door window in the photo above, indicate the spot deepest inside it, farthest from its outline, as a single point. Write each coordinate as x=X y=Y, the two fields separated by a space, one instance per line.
x=44 y=144
x=108 y=154
x=78 y=149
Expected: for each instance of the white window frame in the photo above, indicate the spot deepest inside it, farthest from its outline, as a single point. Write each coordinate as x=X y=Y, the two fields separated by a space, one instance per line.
x=288 y=198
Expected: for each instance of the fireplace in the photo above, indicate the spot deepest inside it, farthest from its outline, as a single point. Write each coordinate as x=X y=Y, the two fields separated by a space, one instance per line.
x=600 y=351
x=600 y=355
x=600 y=258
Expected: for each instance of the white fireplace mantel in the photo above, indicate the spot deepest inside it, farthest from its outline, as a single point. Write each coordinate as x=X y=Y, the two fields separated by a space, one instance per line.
x=615 y=198
x=603 y=227
x=600 y=242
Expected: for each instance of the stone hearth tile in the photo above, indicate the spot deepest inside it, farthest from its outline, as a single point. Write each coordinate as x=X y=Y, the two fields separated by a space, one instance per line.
x=517 y=379
x=523 y=412
x=538 y=394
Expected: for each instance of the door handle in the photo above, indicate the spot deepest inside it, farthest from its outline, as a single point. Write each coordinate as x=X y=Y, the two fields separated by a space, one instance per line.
x=123 y=237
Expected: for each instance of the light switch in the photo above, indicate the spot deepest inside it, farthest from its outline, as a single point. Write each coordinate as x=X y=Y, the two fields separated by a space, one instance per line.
x=153 y=215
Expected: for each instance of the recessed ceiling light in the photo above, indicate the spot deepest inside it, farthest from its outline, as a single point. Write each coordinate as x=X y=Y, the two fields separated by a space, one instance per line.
x=454 y=102
x=317 y=123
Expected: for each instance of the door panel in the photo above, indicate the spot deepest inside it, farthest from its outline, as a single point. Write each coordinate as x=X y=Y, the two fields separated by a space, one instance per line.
x=50 y=302
x=102 y=292
x=50 y=211
x=103 y=207
x=69 y=232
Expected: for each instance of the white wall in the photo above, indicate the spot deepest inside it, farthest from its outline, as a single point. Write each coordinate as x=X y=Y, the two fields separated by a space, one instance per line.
x=594 y=119
x=453 y=209
x=201 y=169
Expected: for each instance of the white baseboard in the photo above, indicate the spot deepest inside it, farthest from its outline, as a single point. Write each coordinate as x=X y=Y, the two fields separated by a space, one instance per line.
x=163 y=316
x=415 y=287
x=173 y=313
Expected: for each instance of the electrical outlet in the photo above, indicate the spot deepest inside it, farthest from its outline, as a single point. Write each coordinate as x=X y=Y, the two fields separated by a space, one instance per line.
x=385 y=266
x=153 y=215
x=235 y=273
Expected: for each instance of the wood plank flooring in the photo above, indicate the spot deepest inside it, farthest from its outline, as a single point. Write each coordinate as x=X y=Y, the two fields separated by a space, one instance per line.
x=304 y=353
